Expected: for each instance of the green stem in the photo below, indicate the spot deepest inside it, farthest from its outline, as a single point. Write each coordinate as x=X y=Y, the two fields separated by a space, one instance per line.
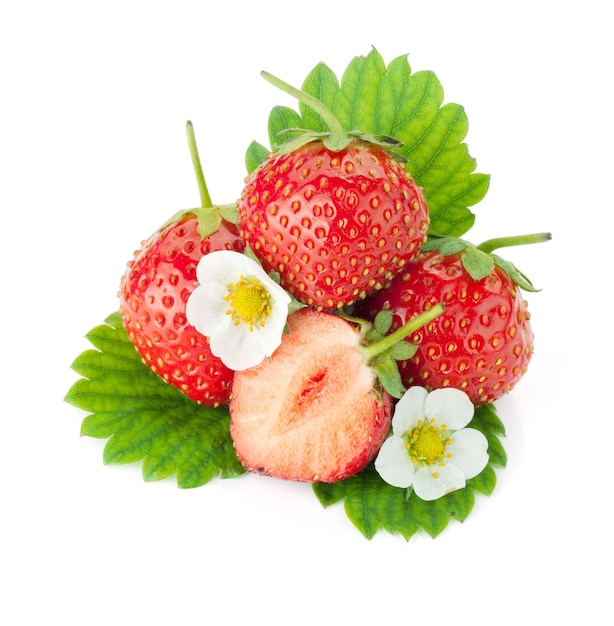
x=388 y=341
x=334 y=126
x=205 y=198
x=506 y=242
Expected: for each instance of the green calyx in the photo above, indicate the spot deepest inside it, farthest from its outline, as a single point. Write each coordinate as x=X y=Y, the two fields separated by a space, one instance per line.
x=209 y=215
x=479 y=261
x=382 y=350
x=336 y=138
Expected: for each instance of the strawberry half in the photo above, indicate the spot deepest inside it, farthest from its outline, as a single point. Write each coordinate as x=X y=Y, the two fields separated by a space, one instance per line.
x=155 y=288
x=483 y=342
x=314 y=411
x=335 y=215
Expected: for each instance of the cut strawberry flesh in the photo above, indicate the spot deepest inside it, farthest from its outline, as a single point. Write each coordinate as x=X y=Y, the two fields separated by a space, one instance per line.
x=311 y=412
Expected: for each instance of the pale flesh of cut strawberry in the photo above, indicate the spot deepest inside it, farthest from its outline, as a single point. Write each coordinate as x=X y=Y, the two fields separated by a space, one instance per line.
x=313 y=412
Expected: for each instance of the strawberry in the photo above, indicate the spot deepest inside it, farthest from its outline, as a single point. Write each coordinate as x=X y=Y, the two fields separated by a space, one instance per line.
x=483 y=342
x=153 y=295
x=314 y=411
x=154 y=291
x=335 y=215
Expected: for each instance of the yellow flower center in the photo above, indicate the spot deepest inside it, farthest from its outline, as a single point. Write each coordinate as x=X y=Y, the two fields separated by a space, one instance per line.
x=250 y=302
x=427 y=443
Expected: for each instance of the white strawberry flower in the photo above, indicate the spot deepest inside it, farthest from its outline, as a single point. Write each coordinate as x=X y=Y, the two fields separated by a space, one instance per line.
x=430 y=449
x=238 y=307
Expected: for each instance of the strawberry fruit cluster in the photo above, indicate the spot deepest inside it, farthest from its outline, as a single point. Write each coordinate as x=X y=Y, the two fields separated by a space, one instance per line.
x=336 y=217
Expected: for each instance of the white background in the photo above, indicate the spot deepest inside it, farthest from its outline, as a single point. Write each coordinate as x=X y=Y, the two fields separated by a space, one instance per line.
x=93 y=157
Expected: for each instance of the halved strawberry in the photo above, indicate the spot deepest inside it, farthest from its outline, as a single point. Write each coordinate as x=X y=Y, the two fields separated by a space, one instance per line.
x=312 y=412
x=315 y=411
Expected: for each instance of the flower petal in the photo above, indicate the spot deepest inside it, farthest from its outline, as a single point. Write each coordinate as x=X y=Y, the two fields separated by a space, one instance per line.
x=432 y=481
x=393 y=463
x=206 y=308
x=279 y=295
x=222 y=266
x=242 y=348
x=469 y=450
x=409 y=409
x=235 y=348
x=449 y=406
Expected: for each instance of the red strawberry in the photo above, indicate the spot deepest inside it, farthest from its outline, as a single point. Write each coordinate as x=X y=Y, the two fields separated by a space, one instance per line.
x=335 y=225
x=316 y=411
x=156 y=286
x=153 y=295
x=483 y=342
x=334 y=214
x=313 y=412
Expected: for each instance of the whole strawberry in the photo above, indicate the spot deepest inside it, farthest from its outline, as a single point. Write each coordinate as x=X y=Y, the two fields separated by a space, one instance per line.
x=483 y=342
x=153 y=295
x=335 y=215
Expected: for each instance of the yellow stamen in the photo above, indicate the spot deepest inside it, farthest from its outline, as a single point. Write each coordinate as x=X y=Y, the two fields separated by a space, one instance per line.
x=427 y=442
x=250 y=302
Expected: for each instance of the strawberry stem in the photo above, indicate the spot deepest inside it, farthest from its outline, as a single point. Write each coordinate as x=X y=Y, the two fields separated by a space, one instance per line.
x=334 y=126
x=519 y=240
x=205 y=198
x=384 y=344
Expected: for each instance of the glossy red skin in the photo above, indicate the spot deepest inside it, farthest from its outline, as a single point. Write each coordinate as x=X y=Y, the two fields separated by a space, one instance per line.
x=336 y=226
x=483 y=342
x=313 y=411
x=153 y=295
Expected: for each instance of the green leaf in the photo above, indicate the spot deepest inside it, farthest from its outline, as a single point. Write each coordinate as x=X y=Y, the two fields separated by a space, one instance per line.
x=444 y=245
x=144 y=418
x=229 y=212
x=478 y=264
x=383 y=322
x=484 y=482
x=281 y=121
x=209 y=220
x=255 y=155
x=373 y=505
x=403 y=350
x=515 y=274
x=322 y=84
x=390 y=101
x=388 y=375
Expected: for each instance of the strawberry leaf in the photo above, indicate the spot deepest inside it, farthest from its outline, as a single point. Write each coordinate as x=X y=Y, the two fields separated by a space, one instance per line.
x=145 y=419
x=282 y=121
x=382 y=322
x=478 y=264
x=391 y=101
x=373 y=505
x=385 y=366
x=255 y=155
